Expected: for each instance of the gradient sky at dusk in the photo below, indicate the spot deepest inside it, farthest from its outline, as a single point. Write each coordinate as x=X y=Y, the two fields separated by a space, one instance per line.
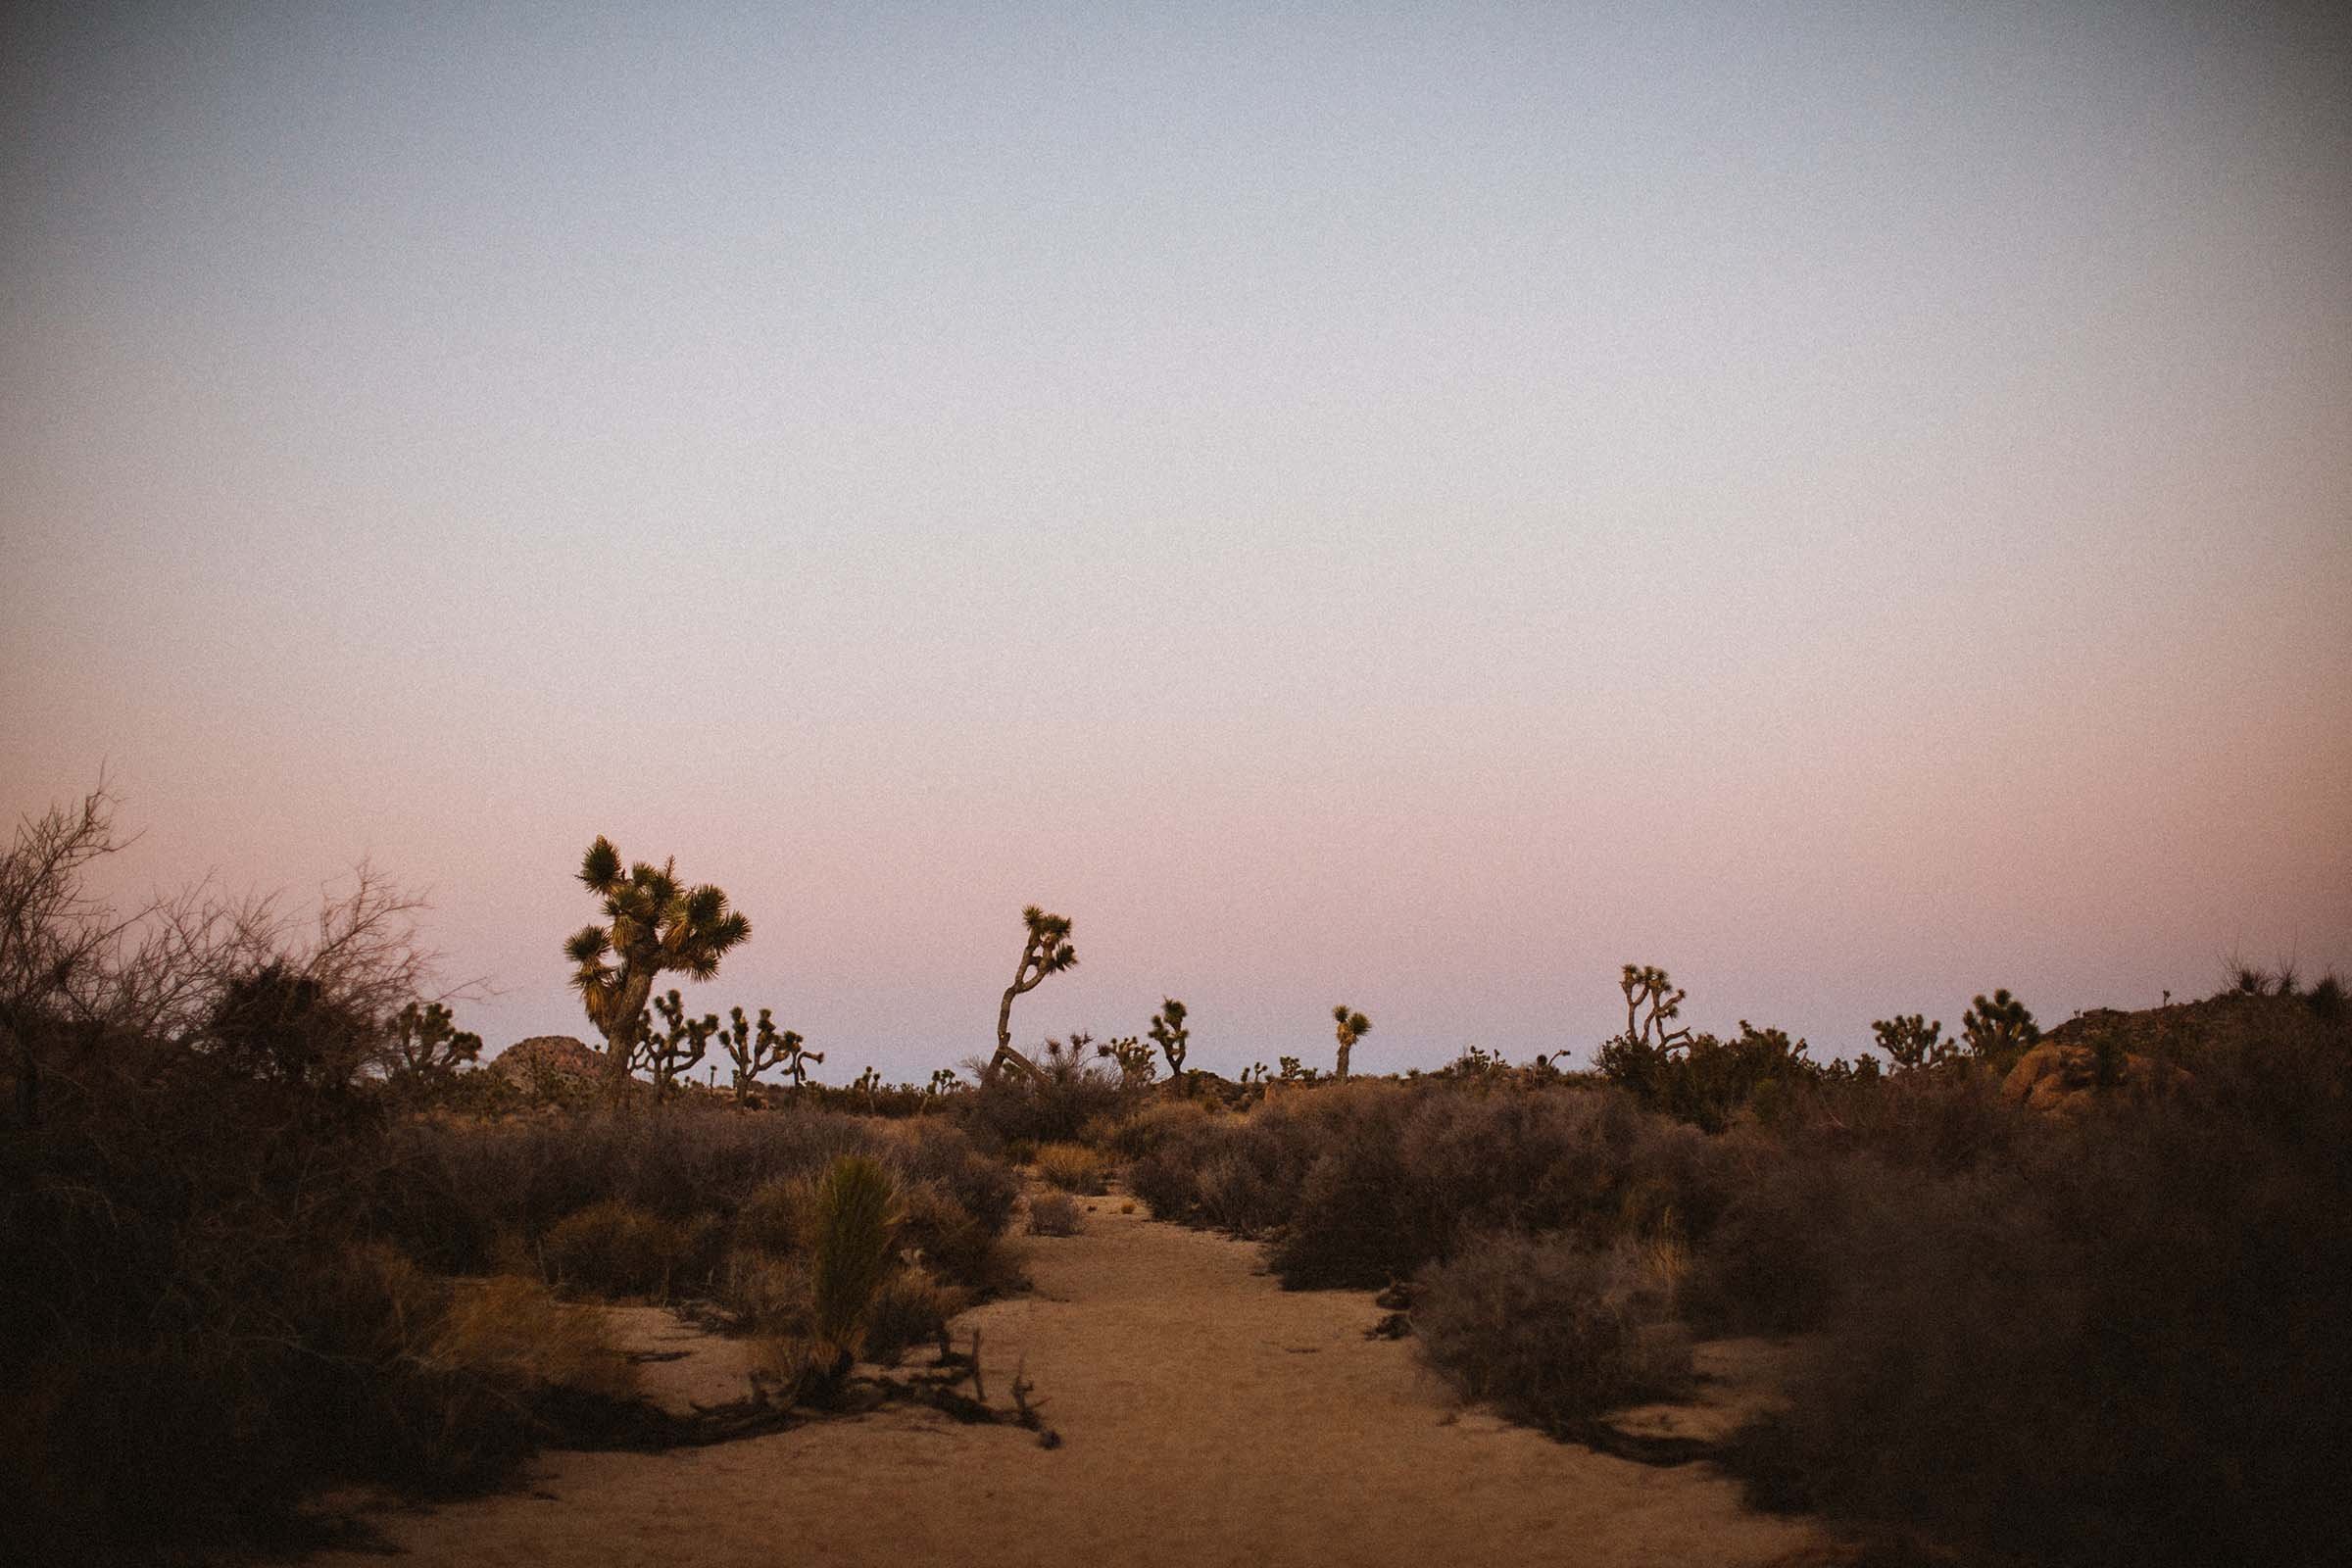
x=1407 y=505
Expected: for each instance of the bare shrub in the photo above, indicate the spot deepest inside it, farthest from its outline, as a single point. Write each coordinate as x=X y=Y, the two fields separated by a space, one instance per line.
x=1552 y=1330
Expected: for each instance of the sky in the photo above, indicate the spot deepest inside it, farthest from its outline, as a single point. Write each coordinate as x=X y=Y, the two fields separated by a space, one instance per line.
x=1413 y=507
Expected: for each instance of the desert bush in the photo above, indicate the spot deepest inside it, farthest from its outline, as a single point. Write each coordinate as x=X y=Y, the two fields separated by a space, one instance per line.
x=1552 y=1328
x=616 y=1249
x=2120 y=1341
x=1072 y=1168
x=1054 y=1214
x=1404 y=1177
x=768 y=1294
x=909 y=1308
x=1069 y=1090
x=1133 y=1136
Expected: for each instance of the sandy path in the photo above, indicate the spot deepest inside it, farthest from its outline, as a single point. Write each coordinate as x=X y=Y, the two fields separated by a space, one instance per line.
x=1208 y=1417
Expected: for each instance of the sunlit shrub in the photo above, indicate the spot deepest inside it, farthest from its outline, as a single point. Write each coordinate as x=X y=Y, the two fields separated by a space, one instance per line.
x=1072 y=1168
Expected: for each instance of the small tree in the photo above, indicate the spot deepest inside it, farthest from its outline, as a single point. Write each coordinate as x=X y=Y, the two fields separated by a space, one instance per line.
x=1999 y=1031
x=680 y=1046
x=653 y=923
x=1168 y=1032
x=1352 y=1026
x=1134 y=1059
x=426 y=1044
x=1911 y=1042
x=1048 y=951
x=755 y=1049
x=1647 y=986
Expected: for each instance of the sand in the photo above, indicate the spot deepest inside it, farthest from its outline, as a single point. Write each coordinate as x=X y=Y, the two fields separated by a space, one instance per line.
x=1207 y=1417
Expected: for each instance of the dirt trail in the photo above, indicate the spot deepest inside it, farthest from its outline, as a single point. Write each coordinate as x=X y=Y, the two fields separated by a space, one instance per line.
x=1208 y=1417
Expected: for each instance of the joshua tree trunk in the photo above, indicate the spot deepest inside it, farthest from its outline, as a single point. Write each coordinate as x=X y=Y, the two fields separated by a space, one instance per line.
x=620 y=1029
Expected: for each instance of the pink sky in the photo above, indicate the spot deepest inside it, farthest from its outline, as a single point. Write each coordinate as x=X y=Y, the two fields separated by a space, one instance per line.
x=1415 y=512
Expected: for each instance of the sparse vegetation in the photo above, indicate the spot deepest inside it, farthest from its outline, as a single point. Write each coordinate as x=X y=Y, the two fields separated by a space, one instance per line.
x=266 y=1233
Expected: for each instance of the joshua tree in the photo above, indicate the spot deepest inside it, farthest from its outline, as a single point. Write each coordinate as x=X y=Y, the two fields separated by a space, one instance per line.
x=1352 y=1026
x=1134 y=1057
x=652 y=923
x=426 y=1044
x=755 y=1049
x=681 y=1044
x=1910 y=1040
x=944 y=1082
x=1646 y=986
x=2001 y=1030
x=1171 y=1036
x=1046 y=951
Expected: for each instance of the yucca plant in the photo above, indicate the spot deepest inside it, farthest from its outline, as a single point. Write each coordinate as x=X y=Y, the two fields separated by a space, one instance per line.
x=1352 y=1026
x=653 y=923
x=851 y=1221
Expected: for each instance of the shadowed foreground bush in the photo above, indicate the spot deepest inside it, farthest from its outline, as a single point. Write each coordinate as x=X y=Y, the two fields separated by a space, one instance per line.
x=2122 y=1342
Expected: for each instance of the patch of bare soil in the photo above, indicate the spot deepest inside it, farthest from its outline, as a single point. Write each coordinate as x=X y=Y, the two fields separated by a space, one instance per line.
x=1207 y=1417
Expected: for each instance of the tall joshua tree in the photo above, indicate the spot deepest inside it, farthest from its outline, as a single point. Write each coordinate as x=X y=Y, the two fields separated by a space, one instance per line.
x=1352 y=1026
x=653 y=923
x=1046 y=951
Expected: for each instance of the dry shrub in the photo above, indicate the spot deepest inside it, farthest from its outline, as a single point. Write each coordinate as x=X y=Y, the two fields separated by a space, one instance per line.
x=616 y=1249
x=1135 y=1136
x=1551 y=1329
x=770 y=1219
x=935 y=1227
x=1072 y=1168
x=908 y=1309
x=1054 y=1214
x=768 y=1294
x=2121 y=1341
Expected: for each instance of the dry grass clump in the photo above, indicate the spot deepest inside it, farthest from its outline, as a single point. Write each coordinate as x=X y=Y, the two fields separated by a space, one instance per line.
x=1552 y=1328
x=1054 y=1214
x=1074 y=1169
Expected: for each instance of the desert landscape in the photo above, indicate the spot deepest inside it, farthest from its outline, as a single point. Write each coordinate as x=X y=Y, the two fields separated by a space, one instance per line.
x=1032 y=784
